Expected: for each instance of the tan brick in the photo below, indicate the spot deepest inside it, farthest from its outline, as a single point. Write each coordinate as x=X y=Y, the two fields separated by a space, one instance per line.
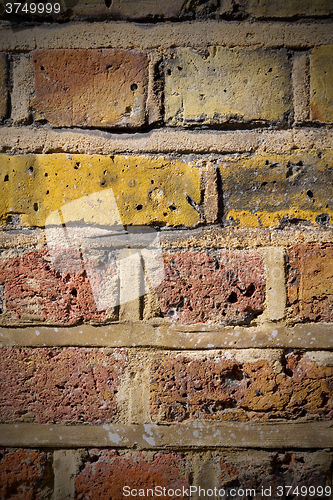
x=3 y=86
x=310 y=282
x=227 y=85
x=25 y=474
x=321 y=77
x=266 y=190
x=146 y=190
x=90 y=88
x=50 y=385
x=301 y=84
x=285 y=8
x=23 y=87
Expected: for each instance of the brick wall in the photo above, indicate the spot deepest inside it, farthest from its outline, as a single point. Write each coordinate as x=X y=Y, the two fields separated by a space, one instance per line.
x=166 y=276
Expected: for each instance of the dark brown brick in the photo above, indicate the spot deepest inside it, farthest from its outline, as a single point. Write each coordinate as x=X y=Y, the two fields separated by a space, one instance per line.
x=50 y=385
x=223 y=287
x=106 y=472
x=25 y=475
x=310 y=282
x=183 y=388
x=91 y=87
x=34 y=289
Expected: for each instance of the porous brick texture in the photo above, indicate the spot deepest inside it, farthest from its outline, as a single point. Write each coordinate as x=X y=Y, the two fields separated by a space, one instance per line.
x=73 y=87
x=225 y=287
x=107 y=472
x=52 y=385
x=184 y=388
x=3 y=86
x=321 y=71
x=310 y=282
x=25 y=475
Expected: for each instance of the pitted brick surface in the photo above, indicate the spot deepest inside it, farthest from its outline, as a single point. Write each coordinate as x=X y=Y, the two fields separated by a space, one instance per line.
x=106 y=472
x=224 y=389
x=34 y=289
x=49 y=385
x=91 y=88
x=310 y=282
x=228 y=287
x=25 y=475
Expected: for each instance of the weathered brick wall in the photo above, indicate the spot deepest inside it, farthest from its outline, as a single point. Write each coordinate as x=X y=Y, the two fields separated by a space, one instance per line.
x=199 y=134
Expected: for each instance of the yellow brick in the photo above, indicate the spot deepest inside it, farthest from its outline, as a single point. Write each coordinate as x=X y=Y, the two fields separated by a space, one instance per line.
x=227 y=84
x=146 y=190
x=321 y=78
x=263 y=189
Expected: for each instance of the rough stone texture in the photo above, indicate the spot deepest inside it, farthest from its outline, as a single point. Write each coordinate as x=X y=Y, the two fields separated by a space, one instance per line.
x=227 y=85
x=50 y=385
x=22 y=92
x=184 y=388
x=227 y=287
x=3 y=86
x=145 y=190
x=165 y=9
x=91 y=88
x=34 y=290
x=262 y=471
x=301 y=87
x=270 y=189
x=25 y=475
x=106 y=472
x=282 y=8
x=310 y=282
x=321 y=75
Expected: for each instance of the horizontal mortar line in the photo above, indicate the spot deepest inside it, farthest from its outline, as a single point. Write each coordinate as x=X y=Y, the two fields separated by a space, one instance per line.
x=165 y=140
x=193 y=434
x=164 y=35
x=310 y=336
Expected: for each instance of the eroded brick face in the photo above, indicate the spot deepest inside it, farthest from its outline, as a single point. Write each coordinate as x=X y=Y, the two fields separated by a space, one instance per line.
x=310 y=282
x=91 y=87
x=25 y=475
x=51 y=385
x=184 y=388
x=34 y=289
x=223 y=287
x=106 y=472
x=272 y=473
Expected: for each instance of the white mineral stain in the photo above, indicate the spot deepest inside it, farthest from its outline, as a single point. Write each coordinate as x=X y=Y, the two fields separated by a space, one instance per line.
x=150 y=440
x=114 y=437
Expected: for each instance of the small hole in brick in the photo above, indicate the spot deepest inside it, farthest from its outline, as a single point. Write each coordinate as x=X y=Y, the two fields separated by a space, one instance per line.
x=74 y=292
x=47 y=192
x=151 y=182
x=30 y=170
x=267 y=162
x=35 y=207
x=224 y=90
x=309 y=193
x=173 y=208
x=270 y=70
x=165 y=214
x=180 y=68
x=77 y=165
x=103 y=183
x=263 y=184
x=232 y=298
x=104 y=173
x=46 y=174
x=134 y=87
x=139 y=207
x=128 y=109
x=6 y=179
x=168 y=72
x=109 y=66
x=42 y=68
x=250 y=290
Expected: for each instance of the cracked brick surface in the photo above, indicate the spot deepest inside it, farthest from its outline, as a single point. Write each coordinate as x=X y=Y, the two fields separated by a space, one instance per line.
x=184 y=388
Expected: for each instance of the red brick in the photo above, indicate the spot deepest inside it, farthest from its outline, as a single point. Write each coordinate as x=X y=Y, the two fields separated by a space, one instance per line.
x=106 y=473
x=34 y=289
x=25 y=475
x=223 y=287
x=183 y=388
x=310 y=282
x=262 y=471
x=50 y=385
x=91 y=87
